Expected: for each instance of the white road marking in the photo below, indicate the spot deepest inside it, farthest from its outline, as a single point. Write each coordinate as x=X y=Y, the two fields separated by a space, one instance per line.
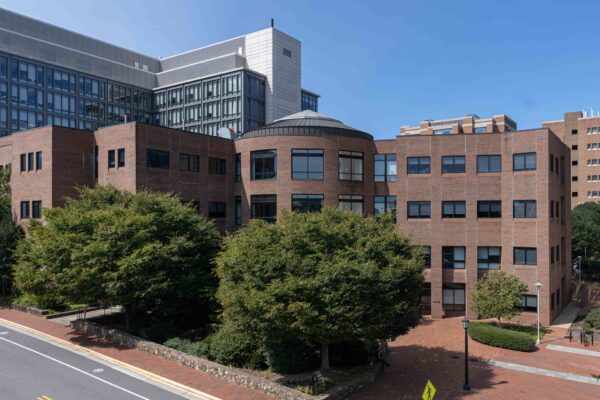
x=98 y=370
x=3 y=333
x=75 y=368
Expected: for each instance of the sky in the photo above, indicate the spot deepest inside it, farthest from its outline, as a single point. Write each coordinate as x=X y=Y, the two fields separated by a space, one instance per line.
x=380 y=65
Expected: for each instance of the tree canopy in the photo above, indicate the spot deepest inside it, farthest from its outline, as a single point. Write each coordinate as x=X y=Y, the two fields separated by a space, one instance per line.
x=10 y=233
x=586 y=230
x=498 y=295
x=321 y=277
x=145 y=251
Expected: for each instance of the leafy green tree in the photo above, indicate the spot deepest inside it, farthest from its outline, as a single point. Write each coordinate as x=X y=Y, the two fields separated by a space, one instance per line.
x=146 y=251
x=498 y=295
x=321 y=278
x=10 y=233
x=586 y=230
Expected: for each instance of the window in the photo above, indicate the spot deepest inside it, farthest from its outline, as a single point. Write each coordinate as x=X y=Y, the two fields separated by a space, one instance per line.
x=385 y=168
x=453 y=209
x=489 y=163
x=480 y=129
x=157 y=158
x=444 y=131
x=575 y=162
x=216 y=209
x=418 y=165
x=238 y=167
x=211 y=89
x=307 y=164
x=426 y=250
x=351 y=203
x=574 y=147
x=524 y=209
x=264 y=207
x=111 y=159
x=453 y=298
x=552 y=163
x=528 y=303
x=189 y=162
x=307 y=202
x=488 y=257
x=30 y=162
x=287 y=53
x=36 y=209
x=552 y=301
x=453 y=164
x=350 y=166
x=217 y=166
x=453 y=257
x=383 y=204
x=121 y=158
x=524 y=162
x=489 y=209
x=23 y=162
x=419 y=209
x=525 y=256
x=574 y=194
x=24 y=210
x=238 y=210
x=573 y=131
x=263 y=164
x=574 y=179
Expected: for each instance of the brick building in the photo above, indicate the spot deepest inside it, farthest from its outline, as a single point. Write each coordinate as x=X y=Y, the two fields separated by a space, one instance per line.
x=475 y=199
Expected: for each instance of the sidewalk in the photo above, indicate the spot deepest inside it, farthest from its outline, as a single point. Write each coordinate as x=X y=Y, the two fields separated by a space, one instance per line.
x=137 y=358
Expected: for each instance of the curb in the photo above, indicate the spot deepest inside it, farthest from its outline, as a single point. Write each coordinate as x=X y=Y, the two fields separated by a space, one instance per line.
x=132 y=368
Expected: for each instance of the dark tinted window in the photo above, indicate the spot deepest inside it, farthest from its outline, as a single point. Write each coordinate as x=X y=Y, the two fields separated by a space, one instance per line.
x=307 y=164
x=525 y=256
x=453 y=164
x=524 y=209
x=489 y=163
x=418 y=165
x=419 y=209
x=489 y=209
x=157 y=158
x=524 y=162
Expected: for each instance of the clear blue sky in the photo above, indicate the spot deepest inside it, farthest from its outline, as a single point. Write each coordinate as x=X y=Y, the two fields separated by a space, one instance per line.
x=380 y=65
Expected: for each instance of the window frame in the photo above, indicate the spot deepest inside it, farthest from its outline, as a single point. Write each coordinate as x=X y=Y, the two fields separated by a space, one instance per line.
x=489 y=213
x=308 y=175
x=262 y=158
x=422 y=167
x=296 y=198
x=389 y=202
x=489 y=157
x=526 y=209
x=485 y=264
x=530 y=255
x=352 y=156
x=217 y=166
x=217 y=209
x=453 y=169
x=265 y=201
x=526 y=159
x=454 y=204
x=450 y=260
x=158 y=159
x=352 y=200
x=388 y=160
x=421 y=205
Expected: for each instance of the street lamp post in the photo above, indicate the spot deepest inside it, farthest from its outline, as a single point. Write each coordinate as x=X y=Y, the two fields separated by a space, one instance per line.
x=465 y=323
x=579 y=260
x=538 y=286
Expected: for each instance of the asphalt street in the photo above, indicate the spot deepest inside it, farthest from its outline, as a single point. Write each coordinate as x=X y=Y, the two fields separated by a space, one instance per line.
x=33 y=368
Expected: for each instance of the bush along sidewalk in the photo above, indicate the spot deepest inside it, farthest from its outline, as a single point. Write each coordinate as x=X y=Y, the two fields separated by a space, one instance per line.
x=496 y=336
x=592 y=320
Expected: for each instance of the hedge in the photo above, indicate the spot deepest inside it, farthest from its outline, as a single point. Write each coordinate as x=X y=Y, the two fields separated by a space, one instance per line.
x=497 y=337
x=592 y=321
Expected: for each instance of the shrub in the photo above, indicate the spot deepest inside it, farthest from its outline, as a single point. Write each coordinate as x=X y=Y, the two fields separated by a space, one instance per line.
x=158 y=332
x=592 y=321
x=349 y=353
x=47 y=301
x=290 y=356
x=229 y=346
x=197 y=348
x=497 y=337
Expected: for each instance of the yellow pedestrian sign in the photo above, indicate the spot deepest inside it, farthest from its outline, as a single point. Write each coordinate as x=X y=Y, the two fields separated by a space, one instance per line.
x=429 y=391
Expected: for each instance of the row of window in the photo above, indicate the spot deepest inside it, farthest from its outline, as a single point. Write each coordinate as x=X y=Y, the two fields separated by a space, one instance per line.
x=31 y=161
x=187 y=162
x=230 y=85
x=488 y=257
x=593 y=146
x=485 y=209
x=593 y=130
x=453 y=298
x=31 y=209
x=593 y=162
x=485 y=163
x=112 y=163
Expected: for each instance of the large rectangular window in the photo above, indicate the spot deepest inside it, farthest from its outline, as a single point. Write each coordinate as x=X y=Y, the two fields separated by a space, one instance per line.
x=418 y=165
x=524 y=208
x=157 y=158
x=38 y=160
x=524 y=162
x=489 y=209
x=264 y=207
x=525 y=256
x=385 y=168
x=238 y=210
x=351 y=203
x=111 y=159
x=307 y=202
x=36 y=209
x=488 y=257
x=307 y=164
x=489 y=163
x=528 y=303
x=217 y=166
x=418 y=209
x=23 y=162
x=383 y=204
x=263 y=164
x=426 y=250
x=189 y=162
x=350 y=165
x=238 y=167
x=453 y=164
x=121 y=158
x=30 y=165
x=453 y=257
x=24 y=210
x=453 y=298
x=453 y=209
x=216 y=209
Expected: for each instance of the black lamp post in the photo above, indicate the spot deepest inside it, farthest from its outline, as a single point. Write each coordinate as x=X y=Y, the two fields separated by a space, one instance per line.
x=465 y=323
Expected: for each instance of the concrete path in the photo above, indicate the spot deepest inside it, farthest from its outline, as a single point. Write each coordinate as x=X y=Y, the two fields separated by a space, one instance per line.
x=567 y=316
x=66 y=321
x=573 y=350
x=546 y=372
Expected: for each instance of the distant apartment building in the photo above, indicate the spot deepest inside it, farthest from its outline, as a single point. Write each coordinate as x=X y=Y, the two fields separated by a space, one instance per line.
x=52 y=76
x=474 y=201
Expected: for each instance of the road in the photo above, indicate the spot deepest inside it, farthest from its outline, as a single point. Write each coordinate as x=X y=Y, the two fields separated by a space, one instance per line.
x=34 y=368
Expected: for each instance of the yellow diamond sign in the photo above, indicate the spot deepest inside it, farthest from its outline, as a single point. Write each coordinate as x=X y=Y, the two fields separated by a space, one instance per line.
x=429 y=391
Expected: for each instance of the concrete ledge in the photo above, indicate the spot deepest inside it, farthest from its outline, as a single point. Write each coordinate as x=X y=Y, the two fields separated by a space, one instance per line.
x=38 y=312
x=72 y=312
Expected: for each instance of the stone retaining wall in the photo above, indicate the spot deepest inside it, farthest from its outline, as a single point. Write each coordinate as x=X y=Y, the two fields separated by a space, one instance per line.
x=38 y=312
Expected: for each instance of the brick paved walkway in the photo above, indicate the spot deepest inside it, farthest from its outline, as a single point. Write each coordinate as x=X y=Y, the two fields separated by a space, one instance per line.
x=434 y=350
x=165 y=368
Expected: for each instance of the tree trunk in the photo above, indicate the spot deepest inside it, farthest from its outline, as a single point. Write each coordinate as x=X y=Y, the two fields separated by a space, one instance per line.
x=324 y=356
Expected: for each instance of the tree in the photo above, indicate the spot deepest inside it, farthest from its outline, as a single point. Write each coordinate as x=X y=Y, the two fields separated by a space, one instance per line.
x=321 y=278
x=10 y=233
x=586 y=230
x=146 y=251
x=498 y=295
